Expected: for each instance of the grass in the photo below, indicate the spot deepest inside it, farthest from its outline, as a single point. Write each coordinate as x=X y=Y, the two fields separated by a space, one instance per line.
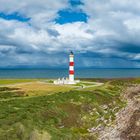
x=68 y=114
x=8 y=93
x=15 y=81
x=42 y=88
x=84 y=83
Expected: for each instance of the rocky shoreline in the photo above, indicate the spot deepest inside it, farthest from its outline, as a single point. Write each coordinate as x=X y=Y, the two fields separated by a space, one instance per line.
x=127 y=123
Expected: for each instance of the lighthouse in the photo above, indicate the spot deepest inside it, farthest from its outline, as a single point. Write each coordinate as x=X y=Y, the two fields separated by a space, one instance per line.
x=70 y=80
x=71 y=68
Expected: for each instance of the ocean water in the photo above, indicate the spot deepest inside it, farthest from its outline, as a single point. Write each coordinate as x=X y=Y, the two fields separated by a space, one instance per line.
x=79 y=73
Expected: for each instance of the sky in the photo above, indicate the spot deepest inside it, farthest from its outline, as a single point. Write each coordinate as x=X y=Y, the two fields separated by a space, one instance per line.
x=41 y=33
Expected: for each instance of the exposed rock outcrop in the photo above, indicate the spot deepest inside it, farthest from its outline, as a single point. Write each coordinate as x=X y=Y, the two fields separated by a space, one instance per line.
x=127 y=123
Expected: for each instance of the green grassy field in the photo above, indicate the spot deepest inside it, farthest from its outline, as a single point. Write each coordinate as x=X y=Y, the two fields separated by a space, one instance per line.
x=15 y=81
x=32 y=112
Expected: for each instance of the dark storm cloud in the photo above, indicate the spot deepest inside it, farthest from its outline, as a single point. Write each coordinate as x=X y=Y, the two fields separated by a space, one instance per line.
x=130 y=48
x=53 y=32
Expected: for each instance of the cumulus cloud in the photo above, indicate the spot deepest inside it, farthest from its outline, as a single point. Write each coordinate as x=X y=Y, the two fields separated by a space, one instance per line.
x=40 y=11
x=110 y=37
x=115 y=24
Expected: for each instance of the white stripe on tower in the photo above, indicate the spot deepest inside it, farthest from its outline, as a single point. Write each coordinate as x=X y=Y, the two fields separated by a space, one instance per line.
x=71 y=67
x=71 y=59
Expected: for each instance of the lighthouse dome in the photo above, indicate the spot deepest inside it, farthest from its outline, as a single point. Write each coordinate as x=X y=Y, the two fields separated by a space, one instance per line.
x=71 y=53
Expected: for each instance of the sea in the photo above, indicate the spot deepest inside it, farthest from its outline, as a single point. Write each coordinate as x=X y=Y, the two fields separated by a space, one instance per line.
x=79 y=73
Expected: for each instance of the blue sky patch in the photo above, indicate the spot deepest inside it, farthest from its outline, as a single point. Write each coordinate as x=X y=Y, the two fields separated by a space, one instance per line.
x=14 y=16
x=67 y=16
x=75 y=2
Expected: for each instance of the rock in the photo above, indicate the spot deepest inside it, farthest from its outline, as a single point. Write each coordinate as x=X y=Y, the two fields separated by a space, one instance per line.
x=127 y=123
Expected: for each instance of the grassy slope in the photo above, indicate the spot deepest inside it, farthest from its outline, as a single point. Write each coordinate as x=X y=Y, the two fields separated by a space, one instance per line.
x=66 y=115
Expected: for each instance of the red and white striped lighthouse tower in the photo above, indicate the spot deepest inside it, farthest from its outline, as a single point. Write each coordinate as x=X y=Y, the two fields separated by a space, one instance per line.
x=71 y=73
x=71 y=68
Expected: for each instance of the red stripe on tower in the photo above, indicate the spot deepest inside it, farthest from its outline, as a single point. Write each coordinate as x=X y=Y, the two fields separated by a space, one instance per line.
x=71 y=72
x=71 y=64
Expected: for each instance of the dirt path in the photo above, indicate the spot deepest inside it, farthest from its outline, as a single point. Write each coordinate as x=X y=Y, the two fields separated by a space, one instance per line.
x=95 y=84
x=127 y=124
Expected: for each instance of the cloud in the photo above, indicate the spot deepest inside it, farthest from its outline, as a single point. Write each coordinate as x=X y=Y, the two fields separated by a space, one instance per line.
x=40 y=12
x=109 y=37
x=114 y=24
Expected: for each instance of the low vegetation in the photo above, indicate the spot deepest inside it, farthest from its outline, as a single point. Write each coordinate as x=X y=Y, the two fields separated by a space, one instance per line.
x=32 y=112
x=15 y=81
